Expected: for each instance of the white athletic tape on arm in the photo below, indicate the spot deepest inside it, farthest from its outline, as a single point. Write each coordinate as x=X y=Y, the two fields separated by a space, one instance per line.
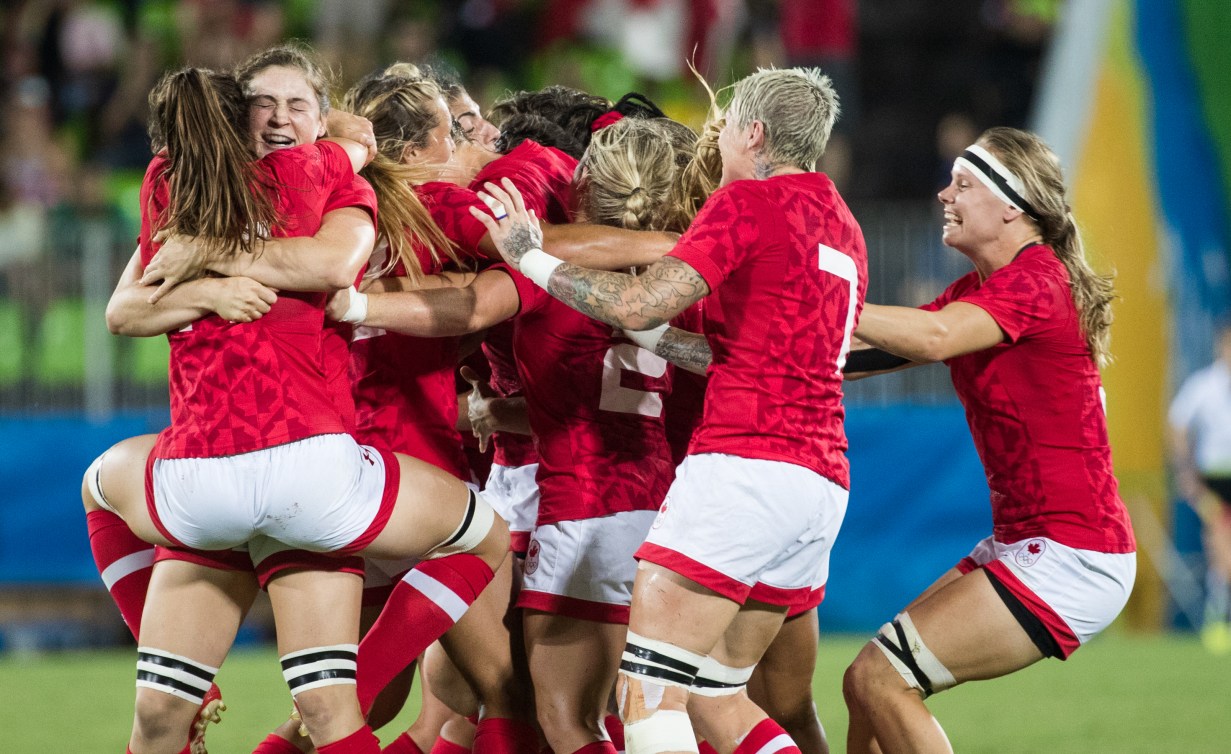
x=647 y=339
x=357 y=310
x=538 y=266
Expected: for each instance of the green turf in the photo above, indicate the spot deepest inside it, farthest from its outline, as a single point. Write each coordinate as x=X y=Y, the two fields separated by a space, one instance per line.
x=1121 y=694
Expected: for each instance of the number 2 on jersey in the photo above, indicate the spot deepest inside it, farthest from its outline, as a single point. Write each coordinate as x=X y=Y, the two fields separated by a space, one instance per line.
x=625 y=400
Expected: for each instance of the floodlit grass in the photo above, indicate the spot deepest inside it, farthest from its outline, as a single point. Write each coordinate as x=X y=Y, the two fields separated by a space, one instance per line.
x=1120 y=694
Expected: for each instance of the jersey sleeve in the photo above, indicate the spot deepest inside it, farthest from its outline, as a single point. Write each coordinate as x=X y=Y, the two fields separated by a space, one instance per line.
x=344 y=187
x=1022 y=298
x=449 y=206
x=531 y=297
x=723 y=233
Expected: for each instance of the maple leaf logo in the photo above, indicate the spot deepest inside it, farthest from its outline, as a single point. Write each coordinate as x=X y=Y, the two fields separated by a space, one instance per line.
x=1034 y=548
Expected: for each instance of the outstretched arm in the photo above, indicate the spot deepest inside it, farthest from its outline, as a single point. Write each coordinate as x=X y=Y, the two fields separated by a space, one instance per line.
x=640 y=302
x=926 y=336
x=601 y=247
x=437 y=312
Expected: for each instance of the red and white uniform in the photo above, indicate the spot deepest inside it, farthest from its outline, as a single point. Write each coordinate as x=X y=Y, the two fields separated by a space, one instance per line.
x=1034 y=404
x=786 y=265
x=404 y=386
x=543 y=175
x=244 y=388
x=595 y=403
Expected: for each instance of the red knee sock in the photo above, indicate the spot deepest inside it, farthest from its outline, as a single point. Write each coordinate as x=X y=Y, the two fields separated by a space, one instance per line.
x=705 y=747
x=501 y=735
x=615 y=731
x=403 y=744
x=767 y=737
x=124 y=562
x=445 y=746
x=275 y=744
x=598 y=747
x=362 y=741
x=425 y=603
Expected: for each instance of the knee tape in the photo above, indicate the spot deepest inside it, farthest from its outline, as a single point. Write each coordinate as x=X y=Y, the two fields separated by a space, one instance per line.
x=715 y=679
x=474 y=527
x=313 y=668
x=173 y=674
x=658 y=663
x=93 y=479
x=904 y=647
x=665 y=730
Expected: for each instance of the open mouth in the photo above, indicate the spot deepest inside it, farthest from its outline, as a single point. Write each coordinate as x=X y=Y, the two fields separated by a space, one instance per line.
x=277 y=141
x=951 y=220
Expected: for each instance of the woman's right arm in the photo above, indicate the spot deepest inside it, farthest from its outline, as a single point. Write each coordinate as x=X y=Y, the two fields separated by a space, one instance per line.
x=440 y=312
x=129 y=311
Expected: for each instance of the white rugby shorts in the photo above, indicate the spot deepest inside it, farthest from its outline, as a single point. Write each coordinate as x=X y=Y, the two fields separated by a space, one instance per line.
x=514 y=494
x=325 y=493
x=585 y=568
x=1075 y=593
x=748 y=528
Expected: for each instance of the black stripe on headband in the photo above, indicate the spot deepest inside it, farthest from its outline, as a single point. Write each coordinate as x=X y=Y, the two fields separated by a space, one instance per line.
x=998 y=179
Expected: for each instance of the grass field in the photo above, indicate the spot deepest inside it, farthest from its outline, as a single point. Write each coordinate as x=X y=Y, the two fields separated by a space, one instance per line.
x=1120 y=694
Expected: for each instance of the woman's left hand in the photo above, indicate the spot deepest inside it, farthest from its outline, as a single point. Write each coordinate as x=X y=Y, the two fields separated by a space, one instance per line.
x=178 y=260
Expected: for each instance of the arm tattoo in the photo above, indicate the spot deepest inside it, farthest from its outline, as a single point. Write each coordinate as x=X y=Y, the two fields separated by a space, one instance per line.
x=667 y=288
x=522 y=238
x=687 y=350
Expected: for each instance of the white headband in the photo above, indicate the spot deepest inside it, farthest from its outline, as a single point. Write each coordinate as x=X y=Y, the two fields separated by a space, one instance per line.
x=992 y=173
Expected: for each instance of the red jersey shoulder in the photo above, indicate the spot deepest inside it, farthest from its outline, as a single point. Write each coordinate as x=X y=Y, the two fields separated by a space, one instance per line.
x=449 y=206
x=154 y=200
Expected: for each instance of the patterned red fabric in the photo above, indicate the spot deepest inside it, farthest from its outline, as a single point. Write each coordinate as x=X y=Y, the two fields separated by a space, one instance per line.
x=544 y=177
x=685 y=405
x=595 y=403
x=1035 y=408
x=239 y=387
x=777 y=318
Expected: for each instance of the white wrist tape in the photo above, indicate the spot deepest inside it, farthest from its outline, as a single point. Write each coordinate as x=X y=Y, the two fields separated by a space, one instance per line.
x=647 y=339
x=538 y=265
x=357 y=311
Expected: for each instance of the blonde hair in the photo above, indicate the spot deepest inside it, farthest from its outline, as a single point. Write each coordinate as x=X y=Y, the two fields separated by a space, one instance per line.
x=629 y=176
x=1031 y=160
x=402 y=111
x=797 y=108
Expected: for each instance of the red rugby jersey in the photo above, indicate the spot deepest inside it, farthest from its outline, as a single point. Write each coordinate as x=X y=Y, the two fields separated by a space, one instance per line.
x=1035 y=408
x=787 y=269
x=239 y=387
x=685 y=405
x=596 y=407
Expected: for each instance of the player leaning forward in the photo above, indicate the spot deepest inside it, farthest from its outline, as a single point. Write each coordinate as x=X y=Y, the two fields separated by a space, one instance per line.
x=746 y=529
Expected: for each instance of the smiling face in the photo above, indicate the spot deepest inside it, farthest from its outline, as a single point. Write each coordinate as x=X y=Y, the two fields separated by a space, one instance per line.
x=973 y=214
x=283 y=110
x=438 y=149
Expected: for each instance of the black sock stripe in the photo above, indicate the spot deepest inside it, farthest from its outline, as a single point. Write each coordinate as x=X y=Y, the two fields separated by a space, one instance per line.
x=471 y=505
x=320 y=675
x=162 y=680
x=659 y=658
x=331 y=654
x=168 y=662
x=654 y=671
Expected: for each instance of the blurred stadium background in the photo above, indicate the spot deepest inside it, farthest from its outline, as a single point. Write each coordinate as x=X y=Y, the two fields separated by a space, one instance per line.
x=1134 y=94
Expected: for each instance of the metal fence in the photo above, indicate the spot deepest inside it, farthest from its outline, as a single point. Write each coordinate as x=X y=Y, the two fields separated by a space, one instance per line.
x=56 y=355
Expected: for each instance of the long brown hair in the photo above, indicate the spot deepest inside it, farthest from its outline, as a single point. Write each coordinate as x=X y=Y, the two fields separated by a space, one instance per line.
x=216 y=191
x=402 y=109
x=1030 y=159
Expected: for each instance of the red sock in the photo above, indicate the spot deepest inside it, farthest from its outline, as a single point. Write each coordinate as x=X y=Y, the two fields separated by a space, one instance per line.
x=705 y=747
x=425 y=603
x=124 y=562
x=445 y=746
x=362 y=741
x=403 y=744
x=598 y=747
x=501 y=735
x=615 y=731
x=767 y=737
x=275 y=744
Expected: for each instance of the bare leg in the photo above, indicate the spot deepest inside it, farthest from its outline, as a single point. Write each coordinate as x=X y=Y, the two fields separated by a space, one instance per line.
x=782 y=682
x=967 y=627
x=191 y=612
